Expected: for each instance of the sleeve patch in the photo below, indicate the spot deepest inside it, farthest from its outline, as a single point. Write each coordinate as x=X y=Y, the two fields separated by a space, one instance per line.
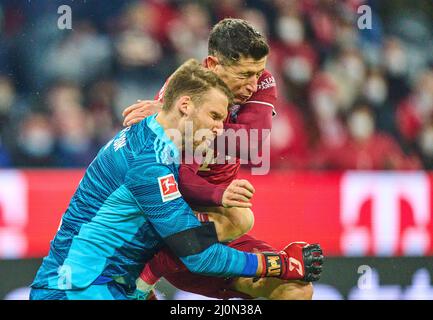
x=168 y=188
x=266 y=83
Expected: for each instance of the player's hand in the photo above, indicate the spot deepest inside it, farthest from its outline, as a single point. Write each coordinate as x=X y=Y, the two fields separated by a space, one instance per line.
x=140 y=110
x=238 y=194
x=297 y=261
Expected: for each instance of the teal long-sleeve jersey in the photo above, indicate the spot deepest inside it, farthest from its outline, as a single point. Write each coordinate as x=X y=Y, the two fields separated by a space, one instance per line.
x=125 y=207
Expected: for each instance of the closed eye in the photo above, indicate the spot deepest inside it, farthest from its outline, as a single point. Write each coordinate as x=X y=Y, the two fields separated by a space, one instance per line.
x=216 y=116
x=250 y=74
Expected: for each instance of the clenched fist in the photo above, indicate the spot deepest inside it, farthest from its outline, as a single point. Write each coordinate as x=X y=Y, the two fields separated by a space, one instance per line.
x=238 y=194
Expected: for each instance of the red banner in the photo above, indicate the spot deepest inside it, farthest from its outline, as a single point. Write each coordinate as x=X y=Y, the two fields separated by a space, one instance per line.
x=348 y=213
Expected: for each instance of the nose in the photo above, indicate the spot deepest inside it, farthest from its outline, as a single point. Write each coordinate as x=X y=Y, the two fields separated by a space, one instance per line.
x=252 y=84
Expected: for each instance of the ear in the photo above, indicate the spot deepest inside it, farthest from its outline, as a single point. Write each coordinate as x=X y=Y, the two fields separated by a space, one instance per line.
x=212 y=62
x=185 y=105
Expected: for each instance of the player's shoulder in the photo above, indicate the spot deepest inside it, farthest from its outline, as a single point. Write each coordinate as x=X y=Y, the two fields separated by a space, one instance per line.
x=147 y=171
x=153 y=153
x=148 y=167
x=138 y=137
x=266 y=94
x=266 y=82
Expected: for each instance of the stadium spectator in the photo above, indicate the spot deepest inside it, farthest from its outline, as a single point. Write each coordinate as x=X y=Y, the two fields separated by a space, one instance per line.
x=113 y=57
x=75 y=146
x=326 y=129
x=289 y=145
x=80 y=56
x=35 y=143
x=295 y=56
x=416 y=110
x=194 y=21
x=367 y=149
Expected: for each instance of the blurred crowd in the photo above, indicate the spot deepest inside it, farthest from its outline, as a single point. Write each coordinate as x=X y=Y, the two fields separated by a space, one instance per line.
x=349 y=98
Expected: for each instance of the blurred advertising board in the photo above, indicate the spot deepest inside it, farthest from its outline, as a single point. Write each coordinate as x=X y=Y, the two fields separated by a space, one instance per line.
x=352 y=214
x=352 y=278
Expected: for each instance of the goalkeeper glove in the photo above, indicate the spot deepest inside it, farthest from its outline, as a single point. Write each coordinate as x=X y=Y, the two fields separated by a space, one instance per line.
x=297 y=261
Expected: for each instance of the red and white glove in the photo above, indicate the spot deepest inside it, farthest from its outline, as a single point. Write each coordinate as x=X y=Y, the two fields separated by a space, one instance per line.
x=297 y=261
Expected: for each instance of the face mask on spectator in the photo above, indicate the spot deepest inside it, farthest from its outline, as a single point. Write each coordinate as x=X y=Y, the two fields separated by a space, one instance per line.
x=76 y=132
x=424 y=102
x=324 y=106
x=426 y=142
x=7 y=96
x=395 y=62
x=347 y=37
x=297 y=69
x=138 y=49
x=290 y=30
x=376 y=90
x=354 y=68
x=361 y=125
x=37 y=142
x=74 y=142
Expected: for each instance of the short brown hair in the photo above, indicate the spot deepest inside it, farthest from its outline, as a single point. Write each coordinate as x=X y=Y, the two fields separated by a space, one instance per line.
x=193 y=80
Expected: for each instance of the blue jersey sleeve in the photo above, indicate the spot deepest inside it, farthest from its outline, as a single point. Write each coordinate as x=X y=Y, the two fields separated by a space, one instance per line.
x=156 y=192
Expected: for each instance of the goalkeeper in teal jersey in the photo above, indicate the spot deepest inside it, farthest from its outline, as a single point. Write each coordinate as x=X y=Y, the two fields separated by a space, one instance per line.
x=128 y=205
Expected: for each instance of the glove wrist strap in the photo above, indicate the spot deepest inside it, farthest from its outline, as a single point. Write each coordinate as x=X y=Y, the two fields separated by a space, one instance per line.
x=272 y=264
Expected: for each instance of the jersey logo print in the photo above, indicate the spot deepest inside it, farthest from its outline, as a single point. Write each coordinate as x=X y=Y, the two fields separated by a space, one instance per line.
x=295 y=264
x=120 y=142
x=168 y=188
x=267 y=83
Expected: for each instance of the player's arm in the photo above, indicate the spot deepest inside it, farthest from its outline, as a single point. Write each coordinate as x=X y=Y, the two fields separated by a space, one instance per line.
x=200 y=192
x=196 y=244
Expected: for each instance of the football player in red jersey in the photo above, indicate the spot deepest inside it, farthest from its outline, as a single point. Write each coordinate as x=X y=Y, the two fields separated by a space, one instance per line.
x=237 y=54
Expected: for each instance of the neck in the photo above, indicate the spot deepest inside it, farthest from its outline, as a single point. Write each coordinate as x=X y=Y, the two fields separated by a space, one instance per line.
x=170 y=121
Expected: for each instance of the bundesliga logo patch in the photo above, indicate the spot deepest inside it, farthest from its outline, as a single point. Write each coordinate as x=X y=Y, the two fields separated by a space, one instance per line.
x=168 y=188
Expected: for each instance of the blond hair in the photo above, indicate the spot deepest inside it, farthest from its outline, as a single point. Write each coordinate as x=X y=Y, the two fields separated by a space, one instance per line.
x=194 y=80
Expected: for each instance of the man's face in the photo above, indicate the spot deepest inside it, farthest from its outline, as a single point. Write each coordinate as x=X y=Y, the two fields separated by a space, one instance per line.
x=208 y=118
x=241 y=76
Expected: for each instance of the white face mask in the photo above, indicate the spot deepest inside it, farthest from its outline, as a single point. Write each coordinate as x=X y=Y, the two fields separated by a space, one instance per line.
x=7 y=97
x=37 y=142
x=297 y=69
x=426 y=142
x=347 y=37
x=282 y=133
x=354 y=68
x=361 y=125
x=395 y=62
x=424 y=102
x=290 y=30
x=376 y=90
x=324 y=106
